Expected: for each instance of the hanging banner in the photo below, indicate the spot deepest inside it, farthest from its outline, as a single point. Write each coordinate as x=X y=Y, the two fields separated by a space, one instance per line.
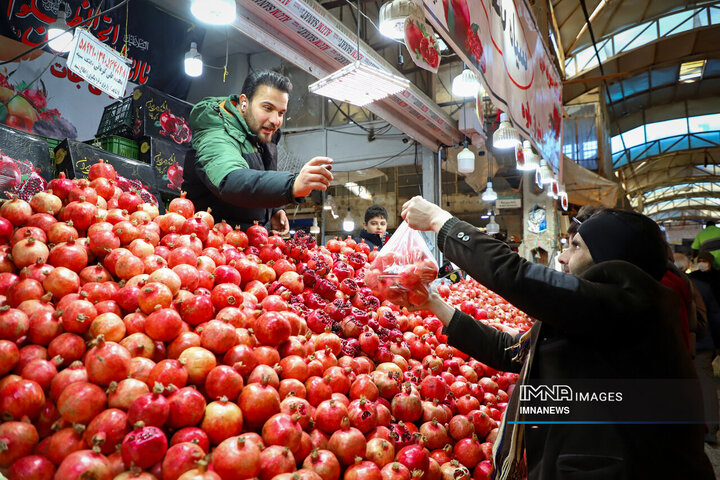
x=60 y=104
x=420 y=42
x=500 y=41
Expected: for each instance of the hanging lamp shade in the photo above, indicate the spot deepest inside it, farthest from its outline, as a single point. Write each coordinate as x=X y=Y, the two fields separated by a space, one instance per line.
x=545 y=173
x=492 y=228
x=564 y=201
x=466 y=160
x=348 y=224
x=553 y=189
x=59 y=33
x=489 y=195
x=530 y=158
x=392 y=17
x=466 y=84
x=193 y=61
x=315 y=228
x=214 y=12
x=506 y=136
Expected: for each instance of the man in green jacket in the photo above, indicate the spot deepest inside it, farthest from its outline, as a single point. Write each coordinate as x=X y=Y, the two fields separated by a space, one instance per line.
x=234 y=168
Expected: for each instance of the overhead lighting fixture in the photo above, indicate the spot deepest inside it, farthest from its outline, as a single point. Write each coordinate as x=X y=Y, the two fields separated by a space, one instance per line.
x=487 y=215
x=506 y=136
x=691 y=71
x=545 y=172
x=492 y=228
x=193 y=61
x=60 y=34
x=348 y=224
x=392 y=17
x=466 y=84
x=359 y=190
x=466 y=160
x=530 y=159
x=315 y=229
x=489 y=195
x=553 y=189
x=359 y=84
x=564 y=200
x=214 y=12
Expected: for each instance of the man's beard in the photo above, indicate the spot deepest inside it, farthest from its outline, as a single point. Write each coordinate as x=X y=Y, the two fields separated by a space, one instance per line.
x=256 y=129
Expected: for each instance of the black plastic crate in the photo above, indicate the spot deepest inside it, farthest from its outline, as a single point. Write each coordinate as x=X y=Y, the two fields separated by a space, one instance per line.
x=117 y=119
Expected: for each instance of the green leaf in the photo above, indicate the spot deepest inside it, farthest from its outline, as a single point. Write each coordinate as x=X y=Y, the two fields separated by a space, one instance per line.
x=475 y=27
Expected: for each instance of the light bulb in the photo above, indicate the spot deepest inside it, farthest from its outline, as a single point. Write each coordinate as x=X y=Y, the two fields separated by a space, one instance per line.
x=553 y=189
x=59 y=34
x=465 y=84
x=193 y=61
x=530 y=162
x=315 y=229
x=392 y=17
x=546 y=174
x=214 y=12
x=348 y=223
x=492 y=227
x=466 y=161
x=329 y=203
x=506 y=136
x=489 y=195
x=564 y=201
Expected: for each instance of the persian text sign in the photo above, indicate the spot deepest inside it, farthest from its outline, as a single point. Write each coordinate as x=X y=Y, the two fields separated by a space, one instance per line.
x=499 y=39
x=98 y=64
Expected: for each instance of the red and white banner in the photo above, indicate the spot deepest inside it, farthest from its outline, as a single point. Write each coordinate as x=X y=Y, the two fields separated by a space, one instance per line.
x=499 y=40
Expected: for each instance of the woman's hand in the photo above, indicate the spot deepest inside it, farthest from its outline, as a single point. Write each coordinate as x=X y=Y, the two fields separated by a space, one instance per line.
x=423 y=215
x=437 y=306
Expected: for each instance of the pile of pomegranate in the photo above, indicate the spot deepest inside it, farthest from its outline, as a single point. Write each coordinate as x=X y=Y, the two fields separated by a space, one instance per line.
x=135 y=345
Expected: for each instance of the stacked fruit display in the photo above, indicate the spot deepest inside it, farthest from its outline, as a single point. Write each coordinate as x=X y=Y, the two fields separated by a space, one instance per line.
x=135 y=345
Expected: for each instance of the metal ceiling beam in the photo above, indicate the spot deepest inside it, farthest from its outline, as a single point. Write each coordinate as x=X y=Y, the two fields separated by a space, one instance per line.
x=680 y=196
x=675 y=181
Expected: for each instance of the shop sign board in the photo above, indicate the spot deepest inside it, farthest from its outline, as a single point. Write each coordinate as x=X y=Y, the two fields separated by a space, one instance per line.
x=98 y=64
x=514 y=201
x=500 y=41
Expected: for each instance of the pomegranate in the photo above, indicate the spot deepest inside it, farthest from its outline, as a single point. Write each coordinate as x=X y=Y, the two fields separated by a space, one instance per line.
x=144 y=447
x=84 y=464
x=237 y=458
x=347 y=443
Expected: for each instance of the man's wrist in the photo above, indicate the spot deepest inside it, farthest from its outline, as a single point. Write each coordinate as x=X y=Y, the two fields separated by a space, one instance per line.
x=439 y=220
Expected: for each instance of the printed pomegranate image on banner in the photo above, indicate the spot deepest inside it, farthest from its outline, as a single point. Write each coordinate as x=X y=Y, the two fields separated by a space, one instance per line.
x=420 y=42
x=26 y=108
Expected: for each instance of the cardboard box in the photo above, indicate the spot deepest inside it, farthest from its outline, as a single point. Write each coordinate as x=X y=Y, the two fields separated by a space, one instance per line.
x=75 y=158
x=167 y=160
x=159 y=115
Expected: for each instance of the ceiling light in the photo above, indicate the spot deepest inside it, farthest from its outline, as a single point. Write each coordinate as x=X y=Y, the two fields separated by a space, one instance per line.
x=315 y=229
x=393 y=15
x=506 y=136
x=489 y=195
x=530 y=159
x=492 y=228
x=359 y=84
x=348 y=223
x=466 y=160
x=691 y=71
x=564 y=200
x=545 y=172
x=215 y=12
x=60 y=34
x=193 y=61
x=466 y=84
x=553 y=189
x=359 y=191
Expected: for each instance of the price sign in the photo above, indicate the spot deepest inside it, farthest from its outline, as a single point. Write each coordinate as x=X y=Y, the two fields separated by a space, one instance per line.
x=98 y=64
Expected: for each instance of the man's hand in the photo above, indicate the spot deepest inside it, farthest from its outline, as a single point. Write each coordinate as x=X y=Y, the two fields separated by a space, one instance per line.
x=279 y=223
x=315 y=175
x=423 y=215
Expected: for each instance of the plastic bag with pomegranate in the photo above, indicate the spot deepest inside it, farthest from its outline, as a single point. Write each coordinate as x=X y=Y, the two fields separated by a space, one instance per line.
x=403 y=269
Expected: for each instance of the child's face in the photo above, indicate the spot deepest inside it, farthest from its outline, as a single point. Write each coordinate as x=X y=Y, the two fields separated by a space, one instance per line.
x=376 y=225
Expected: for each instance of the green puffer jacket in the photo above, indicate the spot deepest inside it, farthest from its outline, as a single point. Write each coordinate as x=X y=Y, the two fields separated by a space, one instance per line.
x=230 y=171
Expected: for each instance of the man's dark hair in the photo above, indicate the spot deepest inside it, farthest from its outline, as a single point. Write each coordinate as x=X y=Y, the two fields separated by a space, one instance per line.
x=375 y=211
x=269 y=78
x=585 y=212
x=710 y=223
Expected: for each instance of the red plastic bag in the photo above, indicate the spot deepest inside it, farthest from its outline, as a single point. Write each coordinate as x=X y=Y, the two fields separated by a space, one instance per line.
x=403 y=269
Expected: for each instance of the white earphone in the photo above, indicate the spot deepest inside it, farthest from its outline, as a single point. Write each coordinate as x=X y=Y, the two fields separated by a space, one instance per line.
x=244 y=105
